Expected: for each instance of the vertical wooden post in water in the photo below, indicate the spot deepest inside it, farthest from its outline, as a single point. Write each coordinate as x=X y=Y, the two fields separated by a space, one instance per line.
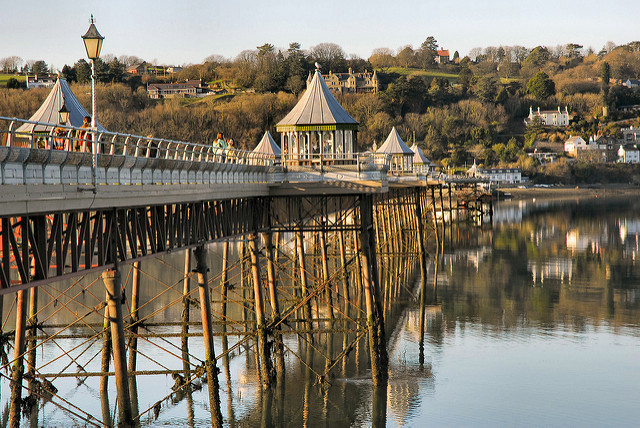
x=345 y=272
x=325 y=267
x=133 y=338
x=306 y=308
x=17 y=370
x=207 y=326
x=273 y=298
x=111 y=279
x=265 y=358
x=375 y=319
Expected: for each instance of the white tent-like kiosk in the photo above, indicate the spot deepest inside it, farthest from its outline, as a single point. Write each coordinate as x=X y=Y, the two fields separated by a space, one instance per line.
x=49 y=111
x=318 y=127
x=421 y=165
x=401 y=154
x=267 y=146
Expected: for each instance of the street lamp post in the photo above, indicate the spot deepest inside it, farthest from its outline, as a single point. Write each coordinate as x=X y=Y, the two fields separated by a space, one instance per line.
x=93 y=43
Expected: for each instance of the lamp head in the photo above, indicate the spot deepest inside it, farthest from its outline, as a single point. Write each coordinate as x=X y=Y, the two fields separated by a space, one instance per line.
x=92 y=41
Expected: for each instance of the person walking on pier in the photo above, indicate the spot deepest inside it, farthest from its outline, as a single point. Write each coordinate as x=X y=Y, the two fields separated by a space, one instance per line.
x=219 y=146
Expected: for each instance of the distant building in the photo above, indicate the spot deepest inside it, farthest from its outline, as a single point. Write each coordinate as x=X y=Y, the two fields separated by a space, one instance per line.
x=630 y=134
x=573 y=144
x=442 y=56
x=136 y=69
x=628 y=153
x=496 y=175
x=550 y=117
x=174 y=69
x=188 y=89
x=351 y=82
x=631 y=83
x=40 y=81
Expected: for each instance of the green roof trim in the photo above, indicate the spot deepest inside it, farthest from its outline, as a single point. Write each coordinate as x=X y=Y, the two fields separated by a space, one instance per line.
x=332 y=127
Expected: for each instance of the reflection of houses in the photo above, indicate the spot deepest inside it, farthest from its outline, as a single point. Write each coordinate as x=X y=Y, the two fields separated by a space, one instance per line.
x=580 y=242
x=350 y=82
x=188 y=89
x=550 y=117
x=558 y=268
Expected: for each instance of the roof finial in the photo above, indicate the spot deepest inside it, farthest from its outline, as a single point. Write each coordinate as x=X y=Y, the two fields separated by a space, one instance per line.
x=317 y=66
x=92 y=18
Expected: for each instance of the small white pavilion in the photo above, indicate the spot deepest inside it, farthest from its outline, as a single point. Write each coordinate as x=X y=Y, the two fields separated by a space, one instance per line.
x=401 y=154
x=421 y=165
x=268 y=147
x=49 y=111
x=318 y=128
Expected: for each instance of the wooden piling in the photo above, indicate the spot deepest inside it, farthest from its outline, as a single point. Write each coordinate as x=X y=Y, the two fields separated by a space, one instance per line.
x=375 y=319
x=111 y=279
x=17 y=369
x=133 y=337
x=207 y=326
x=306 y=308
x=263 y=351
x=273 y=299
x=345 y=271
x=325 y=268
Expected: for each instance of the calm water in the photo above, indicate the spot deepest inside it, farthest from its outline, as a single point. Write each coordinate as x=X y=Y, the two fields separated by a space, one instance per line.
x=536 y=324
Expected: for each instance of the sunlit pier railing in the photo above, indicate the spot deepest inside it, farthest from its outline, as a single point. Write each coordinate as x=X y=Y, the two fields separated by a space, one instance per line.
x=65 y=155
x=37 y=157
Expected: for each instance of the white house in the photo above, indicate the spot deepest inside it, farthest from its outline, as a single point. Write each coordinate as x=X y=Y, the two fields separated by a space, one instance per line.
x=496 y=175
x=575 y=143
x=631 y=83
x=628 y=153
x=40 y=81
x=550 y=117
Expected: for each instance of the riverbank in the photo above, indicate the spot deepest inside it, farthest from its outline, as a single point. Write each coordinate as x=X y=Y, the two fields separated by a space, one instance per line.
x=571 y=192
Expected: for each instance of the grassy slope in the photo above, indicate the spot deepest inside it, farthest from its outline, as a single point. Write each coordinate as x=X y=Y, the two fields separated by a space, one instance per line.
x=5 y=77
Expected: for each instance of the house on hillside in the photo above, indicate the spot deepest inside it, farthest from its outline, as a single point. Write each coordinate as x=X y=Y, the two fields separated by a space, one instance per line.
x=136 y=69
x=40 y=81
x=173 y=69
x=631 y=83
x=350 y=82
x=573 y=144
x=628 y=153
x=549 y=117
x=442 y=56
x=187 y=89
x=630 y=134
x=496 y=175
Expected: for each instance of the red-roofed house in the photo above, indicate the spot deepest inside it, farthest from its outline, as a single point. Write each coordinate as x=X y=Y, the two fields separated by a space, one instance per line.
x=442 y=56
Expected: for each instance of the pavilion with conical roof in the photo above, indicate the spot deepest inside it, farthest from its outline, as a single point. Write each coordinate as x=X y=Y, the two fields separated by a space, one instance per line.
x=401 y=154
x=421 y=164
x=49 y=111
x=268 y=147
x=318 y=127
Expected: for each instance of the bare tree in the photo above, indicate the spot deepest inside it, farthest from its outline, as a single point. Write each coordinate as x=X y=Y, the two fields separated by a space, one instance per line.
x=10 y=64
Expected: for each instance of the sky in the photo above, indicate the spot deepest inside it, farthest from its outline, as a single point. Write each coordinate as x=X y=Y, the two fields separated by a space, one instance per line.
x=180 y=32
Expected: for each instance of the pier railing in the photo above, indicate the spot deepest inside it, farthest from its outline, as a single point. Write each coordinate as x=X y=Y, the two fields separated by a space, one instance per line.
x=66 y=155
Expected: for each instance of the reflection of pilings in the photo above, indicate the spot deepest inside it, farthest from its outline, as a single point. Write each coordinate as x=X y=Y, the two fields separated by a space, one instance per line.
x=18 y=367
x=106 y=409
x=210 y=359
x=375 y=319
x=379 y=407
x=263 y=351
x=111 y=279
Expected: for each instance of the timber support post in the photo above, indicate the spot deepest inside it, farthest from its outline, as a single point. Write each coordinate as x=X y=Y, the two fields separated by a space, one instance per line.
x=111 y=279
x=263 y=351
x=207 y=325
x=17 y=369
x=375 y=319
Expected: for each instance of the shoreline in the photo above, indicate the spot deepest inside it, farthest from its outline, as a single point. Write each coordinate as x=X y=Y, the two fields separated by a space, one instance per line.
x=569 y=192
